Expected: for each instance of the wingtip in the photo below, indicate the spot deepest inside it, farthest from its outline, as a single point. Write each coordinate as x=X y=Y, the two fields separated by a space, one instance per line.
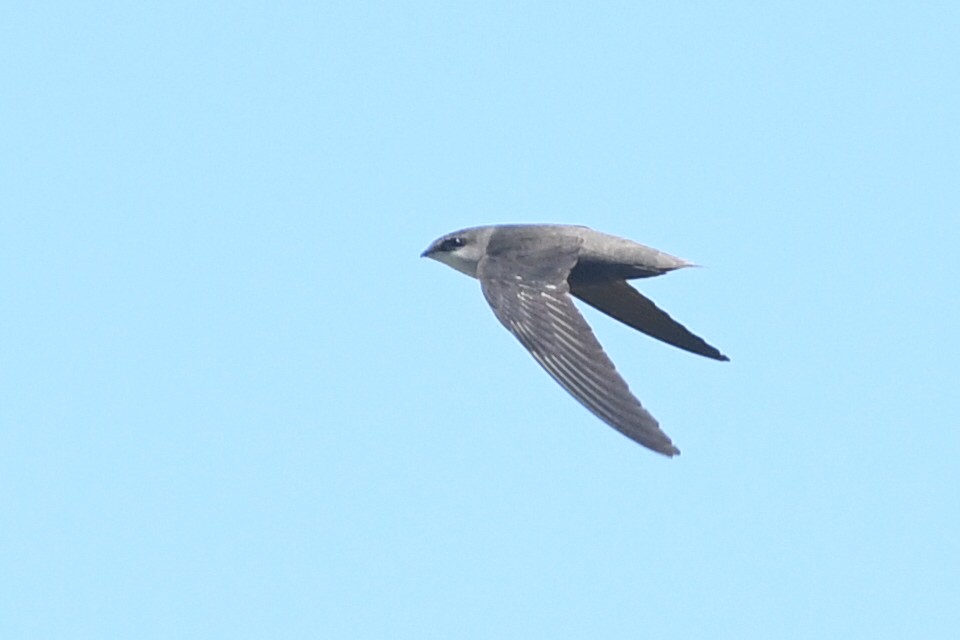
x=663 y=448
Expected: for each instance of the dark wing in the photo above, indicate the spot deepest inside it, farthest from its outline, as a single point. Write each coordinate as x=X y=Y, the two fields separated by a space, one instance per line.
x=619 y=300
x=534 y=304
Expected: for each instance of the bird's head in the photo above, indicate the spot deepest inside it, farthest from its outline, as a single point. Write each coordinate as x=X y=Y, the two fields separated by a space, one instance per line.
x=461 y=250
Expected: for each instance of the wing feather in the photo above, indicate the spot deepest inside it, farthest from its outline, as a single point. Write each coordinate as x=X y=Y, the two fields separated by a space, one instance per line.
x=619 y=300
x=542 y=316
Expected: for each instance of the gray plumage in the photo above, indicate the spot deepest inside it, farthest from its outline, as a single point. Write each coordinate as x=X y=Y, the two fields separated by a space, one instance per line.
x=528 y=273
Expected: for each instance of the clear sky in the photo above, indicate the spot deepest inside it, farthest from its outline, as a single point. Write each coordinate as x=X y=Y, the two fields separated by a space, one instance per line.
x=236 y=404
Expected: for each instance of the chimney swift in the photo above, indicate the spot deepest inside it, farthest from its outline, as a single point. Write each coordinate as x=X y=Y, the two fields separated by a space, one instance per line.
x=529 y=271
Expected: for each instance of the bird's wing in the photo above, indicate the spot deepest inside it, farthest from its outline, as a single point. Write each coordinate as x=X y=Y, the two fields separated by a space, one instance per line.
x=528 y=292
x=619 y=300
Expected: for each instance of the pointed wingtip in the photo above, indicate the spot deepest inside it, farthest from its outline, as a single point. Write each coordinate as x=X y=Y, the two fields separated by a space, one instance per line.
x=664 y=447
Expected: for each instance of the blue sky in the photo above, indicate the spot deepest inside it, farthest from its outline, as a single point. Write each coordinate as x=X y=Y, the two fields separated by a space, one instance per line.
x=236 y=404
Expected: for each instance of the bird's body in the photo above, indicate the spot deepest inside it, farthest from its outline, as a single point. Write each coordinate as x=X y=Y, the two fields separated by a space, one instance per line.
x=528 y=273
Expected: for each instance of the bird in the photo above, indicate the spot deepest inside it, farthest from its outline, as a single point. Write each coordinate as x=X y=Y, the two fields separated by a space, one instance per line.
x=529 y=275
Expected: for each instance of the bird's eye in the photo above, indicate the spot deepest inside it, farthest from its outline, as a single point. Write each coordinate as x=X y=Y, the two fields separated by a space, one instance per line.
x=452 y=243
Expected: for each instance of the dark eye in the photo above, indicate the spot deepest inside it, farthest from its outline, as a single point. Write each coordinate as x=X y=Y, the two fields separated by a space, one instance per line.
x=452 y=243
